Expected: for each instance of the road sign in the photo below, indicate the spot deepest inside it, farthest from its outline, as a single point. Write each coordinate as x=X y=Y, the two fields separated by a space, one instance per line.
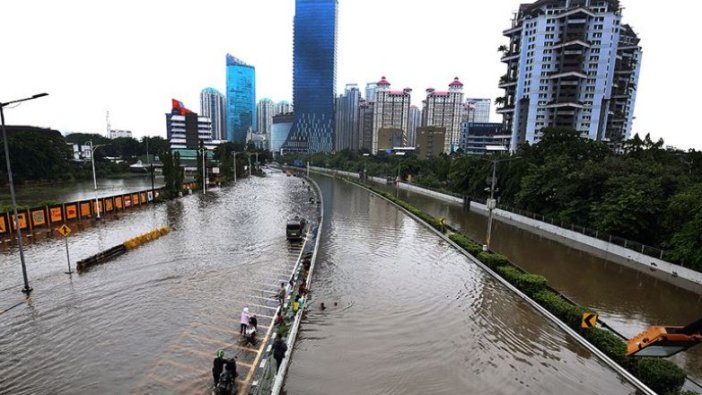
x=64 y=230
x=589 y=320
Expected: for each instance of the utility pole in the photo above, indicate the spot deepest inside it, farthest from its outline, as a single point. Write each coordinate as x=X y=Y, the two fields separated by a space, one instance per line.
x=249 y=156
x=256 y=162
x=204 y=170
x=491 y=204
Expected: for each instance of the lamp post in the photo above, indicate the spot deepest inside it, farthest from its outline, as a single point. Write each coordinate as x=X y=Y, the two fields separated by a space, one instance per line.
x=92 y=161
x=365 y=167
x=27 y=289
x=492 y=203
x=151 y=168
x=203 y=152
x=235 y=167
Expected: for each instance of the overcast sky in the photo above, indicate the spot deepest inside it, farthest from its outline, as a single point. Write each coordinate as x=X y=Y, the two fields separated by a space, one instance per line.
x=132 y=56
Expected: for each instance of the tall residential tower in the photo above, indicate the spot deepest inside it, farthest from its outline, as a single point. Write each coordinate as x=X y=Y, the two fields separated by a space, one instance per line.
x=314 y=76
x=570 y=64
x=213 y=105
x=348 y=112
x=445 y=109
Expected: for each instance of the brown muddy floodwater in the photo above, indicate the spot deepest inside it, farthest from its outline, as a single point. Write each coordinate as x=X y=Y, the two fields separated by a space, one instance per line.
x=626 y=299
x=407 y=314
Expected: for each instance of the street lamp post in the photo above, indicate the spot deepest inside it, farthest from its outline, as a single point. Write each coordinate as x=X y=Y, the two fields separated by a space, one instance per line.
x=151 y=168
x=92 y=161
x=492 y=203
x=203 y=151
x=27 y=289
x=235 y=167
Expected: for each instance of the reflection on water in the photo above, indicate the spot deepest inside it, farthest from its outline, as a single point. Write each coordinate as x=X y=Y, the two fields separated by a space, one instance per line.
x=627 y=299
x=408 y=314
x=30 y=195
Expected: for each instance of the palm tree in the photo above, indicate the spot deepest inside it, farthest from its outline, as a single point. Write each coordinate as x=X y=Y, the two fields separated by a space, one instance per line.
x=502 y=48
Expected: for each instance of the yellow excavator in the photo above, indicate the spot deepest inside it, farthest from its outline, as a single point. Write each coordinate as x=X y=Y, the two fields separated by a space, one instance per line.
x=665 y=341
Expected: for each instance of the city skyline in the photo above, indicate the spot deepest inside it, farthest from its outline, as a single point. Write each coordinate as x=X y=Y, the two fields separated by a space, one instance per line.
x=98 y=72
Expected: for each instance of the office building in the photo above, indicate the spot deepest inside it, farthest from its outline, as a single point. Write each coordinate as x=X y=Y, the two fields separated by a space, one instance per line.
x=415 y=121
x=371 y=88
x=265 y=110
x=348 y=112
x=116 y=133
x=314 y=76
x=482 y=138
x=445 y=109
x=570 y=64
x=476 y=110
x=365 y=126
x=282 y=124
x=213 y=105
x=241 y=99
x=391 y=111
x=430 y=141
x=283 y=107
x=186 y=129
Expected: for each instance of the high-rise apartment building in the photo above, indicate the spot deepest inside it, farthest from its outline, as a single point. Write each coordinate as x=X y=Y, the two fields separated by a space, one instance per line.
x=213 y=105
x=348 y=112
x=314 y=76
x=265 y=110
x=476 y=110
x=241 y=99
x=445 y=109
x=570 y=64
x=391 y=111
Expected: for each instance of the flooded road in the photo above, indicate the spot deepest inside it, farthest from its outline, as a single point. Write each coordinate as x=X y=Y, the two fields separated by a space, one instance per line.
x=410 y=315
x=151 y=320
x=626 y=299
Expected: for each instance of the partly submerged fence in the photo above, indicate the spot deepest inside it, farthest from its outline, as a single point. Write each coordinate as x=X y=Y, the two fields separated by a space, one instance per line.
x=47 y=217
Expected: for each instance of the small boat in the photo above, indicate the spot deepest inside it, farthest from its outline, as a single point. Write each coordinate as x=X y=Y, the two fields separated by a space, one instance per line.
x=295 y=229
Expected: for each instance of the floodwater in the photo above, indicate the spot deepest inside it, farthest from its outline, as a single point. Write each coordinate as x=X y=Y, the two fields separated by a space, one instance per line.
x=407 y=314
x=31 y=195
x=628 y=300
x=151 y=320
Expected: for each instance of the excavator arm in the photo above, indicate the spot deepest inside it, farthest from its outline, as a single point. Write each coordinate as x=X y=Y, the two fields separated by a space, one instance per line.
x=665 y=341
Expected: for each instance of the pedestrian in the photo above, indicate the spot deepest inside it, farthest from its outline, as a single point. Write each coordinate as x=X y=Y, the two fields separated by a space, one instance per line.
x=279 y=318
x=322 y=306
x=301 y=290
x=296 y=304
x=279 y=350
x=281 y=293
x=218 y=366
x=253 y=321
x=301 y=301
x=244 y=321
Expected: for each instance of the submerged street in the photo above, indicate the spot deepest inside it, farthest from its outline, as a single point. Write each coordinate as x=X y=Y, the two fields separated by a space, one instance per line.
x=405 y=312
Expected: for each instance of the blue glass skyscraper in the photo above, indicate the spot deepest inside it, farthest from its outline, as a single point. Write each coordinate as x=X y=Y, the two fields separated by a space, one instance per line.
x=241 y=99
x=314 y=76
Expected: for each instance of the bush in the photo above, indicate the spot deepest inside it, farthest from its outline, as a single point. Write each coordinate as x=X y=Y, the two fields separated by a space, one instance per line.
x=530 y=284
x=570 y=314
x=660 y=375
x=472 y=247
x=610 y=344
x=492 y=260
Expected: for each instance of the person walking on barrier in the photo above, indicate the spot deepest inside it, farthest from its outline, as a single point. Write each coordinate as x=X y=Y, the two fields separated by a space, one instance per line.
x=218 y=366
x=281 y=294
x=279 y=349
x=244 y=321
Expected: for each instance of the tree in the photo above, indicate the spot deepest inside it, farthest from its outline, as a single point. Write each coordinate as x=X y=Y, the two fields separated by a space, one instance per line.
x=36 y=154
x=684 y=216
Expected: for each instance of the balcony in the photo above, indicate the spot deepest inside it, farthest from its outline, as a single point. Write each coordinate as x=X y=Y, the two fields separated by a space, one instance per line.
x=506 y=82
x=569 y=73
x=505 y=110
x=510 y=56
x=512 y=31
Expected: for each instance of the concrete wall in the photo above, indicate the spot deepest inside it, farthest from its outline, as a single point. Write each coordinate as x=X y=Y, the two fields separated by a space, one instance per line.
x=666 y=271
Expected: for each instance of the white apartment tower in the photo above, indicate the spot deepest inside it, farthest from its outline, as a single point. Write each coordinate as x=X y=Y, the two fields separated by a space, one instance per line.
x=213 y=105
x=570 y=64
x=391 y=111
x=265 y=110
x=445 y=109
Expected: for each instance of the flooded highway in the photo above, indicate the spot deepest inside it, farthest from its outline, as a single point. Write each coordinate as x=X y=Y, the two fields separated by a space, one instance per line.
x=407 y=314
x=626 y=299
x=151 y=320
